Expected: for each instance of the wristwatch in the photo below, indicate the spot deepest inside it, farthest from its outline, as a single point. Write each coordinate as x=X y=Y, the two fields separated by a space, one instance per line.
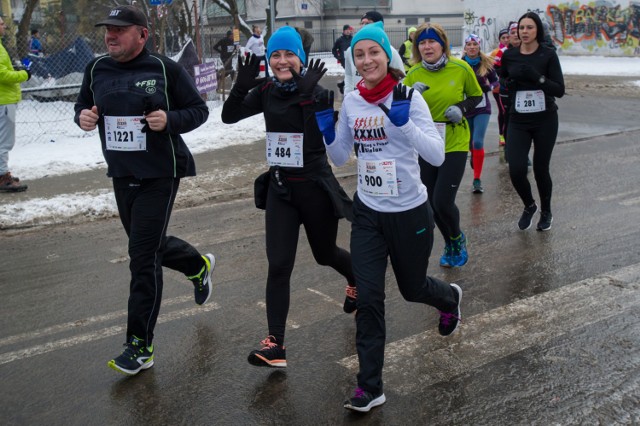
x=542 y=79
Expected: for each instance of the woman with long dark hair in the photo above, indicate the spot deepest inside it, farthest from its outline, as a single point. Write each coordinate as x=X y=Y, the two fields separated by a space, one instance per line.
x=534 y=79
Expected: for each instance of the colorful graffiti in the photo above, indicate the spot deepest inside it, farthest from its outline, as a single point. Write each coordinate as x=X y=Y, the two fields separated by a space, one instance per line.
x=595 y=26
x=486 y=28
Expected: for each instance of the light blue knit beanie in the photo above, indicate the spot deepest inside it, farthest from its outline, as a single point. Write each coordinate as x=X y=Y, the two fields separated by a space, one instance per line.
x=286 y=38
x=374 y=32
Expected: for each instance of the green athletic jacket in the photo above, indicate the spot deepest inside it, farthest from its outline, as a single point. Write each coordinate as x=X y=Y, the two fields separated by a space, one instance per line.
x=448 y=86
x=10 y=79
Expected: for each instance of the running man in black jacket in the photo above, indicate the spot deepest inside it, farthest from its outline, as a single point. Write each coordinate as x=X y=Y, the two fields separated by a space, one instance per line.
x=141 y=103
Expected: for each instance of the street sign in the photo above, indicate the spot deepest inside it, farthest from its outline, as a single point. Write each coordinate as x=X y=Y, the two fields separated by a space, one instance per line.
x=159 y=2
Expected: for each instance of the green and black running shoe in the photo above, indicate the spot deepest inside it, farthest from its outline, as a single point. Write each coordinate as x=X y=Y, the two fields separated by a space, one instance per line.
x=202 y=282
x=136 y=356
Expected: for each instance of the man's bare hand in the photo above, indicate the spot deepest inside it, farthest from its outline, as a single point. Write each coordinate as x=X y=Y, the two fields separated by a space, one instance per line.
x=89 y=118
x=157 y=120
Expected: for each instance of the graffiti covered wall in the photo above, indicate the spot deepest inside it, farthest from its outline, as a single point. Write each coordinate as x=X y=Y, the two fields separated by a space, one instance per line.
x=603 y=27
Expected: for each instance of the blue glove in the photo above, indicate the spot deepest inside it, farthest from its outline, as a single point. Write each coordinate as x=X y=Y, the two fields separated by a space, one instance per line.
x=399 y=112
x=325 y=117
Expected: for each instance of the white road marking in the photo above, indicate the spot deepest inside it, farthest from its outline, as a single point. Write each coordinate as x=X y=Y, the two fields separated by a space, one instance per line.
x=325 y=297
x=98 y=334
x=630 y=201
x=506 y=330
x=59 y=328
x=617 y=195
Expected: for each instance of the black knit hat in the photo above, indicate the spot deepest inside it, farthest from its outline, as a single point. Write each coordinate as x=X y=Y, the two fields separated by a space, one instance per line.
x=125 y=16
x=373 y=15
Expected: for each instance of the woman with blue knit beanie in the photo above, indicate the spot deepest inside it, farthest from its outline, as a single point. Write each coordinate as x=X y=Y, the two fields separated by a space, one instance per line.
x=390 y=127
x=299 y=187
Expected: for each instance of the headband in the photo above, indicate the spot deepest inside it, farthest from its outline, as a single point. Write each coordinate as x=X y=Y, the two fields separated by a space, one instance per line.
x=472 y=37
x=430 y=34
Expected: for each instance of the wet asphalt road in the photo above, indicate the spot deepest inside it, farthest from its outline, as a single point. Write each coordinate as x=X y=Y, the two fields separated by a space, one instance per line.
x=551 y=331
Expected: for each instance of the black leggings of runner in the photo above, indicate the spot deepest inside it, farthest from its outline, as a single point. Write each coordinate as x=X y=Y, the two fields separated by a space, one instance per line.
x=542 y=130
x=310 y=206
x=145 y=210
x=442 y=186
x=501 y=113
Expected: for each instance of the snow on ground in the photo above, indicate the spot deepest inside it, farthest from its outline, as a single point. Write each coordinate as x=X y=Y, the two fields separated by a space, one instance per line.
x=59 y=148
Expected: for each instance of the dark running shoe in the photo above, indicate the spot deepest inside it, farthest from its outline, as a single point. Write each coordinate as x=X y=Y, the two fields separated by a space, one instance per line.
x=449 y=320
x=136 y=356
x=271 y=354
x=477 y=186
x=350 y=299
x=527 y=217
x=202 y=282
x=544 y=224
x=364 y=401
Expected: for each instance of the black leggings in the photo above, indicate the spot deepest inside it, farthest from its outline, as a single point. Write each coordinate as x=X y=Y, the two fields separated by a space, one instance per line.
x=309 y=205
x=542 y=130
x=145 y=210
x=442 y=186
x=501 y=113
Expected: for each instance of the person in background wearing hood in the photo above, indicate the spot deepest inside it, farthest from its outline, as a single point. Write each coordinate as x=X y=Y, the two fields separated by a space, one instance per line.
x=255 y=46
x=300 y=187
x=478 y=117
x=351 y=76
x=534 y=79
x=340 y=47
x=496 y=54
x=453 y=92
x=388 y=126
x=226 y=47
x=406 y=49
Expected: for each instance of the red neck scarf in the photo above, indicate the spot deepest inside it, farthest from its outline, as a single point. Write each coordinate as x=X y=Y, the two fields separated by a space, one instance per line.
x=379 y=92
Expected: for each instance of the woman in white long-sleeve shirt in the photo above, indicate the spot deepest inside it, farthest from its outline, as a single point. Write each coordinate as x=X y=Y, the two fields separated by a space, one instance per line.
x=389 y=128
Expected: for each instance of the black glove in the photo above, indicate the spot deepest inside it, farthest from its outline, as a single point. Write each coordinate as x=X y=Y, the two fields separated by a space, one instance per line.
x=400 y=106
x=310 y=79
x=149 y=106
x=28 y=73
x=248 y=70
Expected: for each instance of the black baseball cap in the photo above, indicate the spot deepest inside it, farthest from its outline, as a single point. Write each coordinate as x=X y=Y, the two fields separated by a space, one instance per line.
x=125 y=16
x=373 y=15
x=347 y=27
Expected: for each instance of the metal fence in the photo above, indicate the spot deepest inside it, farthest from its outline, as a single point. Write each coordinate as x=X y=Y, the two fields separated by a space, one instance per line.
x=48 y=97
